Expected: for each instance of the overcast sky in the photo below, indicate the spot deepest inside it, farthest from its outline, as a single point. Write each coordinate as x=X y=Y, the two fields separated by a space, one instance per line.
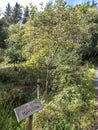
x=3 y=3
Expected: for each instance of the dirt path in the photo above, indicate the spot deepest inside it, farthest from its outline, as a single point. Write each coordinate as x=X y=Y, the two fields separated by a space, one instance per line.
x=96 y=98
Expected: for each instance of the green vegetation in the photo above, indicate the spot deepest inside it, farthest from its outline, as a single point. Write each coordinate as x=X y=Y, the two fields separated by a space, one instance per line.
x=57 y=49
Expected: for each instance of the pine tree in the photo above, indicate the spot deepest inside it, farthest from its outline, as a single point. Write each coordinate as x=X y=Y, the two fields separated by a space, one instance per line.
x=17 y=13
x=8 y=15
x=93 y=3
x=26 y=14
x=3 y=33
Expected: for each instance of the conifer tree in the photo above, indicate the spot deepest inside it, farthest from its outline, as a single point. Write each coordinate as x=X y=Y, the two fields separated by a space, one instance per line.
x=17 y=13
x=26 y=14
x=8 y=15
x=93 y=3
x=3 y=33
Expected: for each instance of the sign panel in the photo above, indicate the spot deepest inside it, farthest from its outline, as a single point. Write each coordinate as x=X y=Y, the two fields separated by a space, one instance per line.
x=27 y=109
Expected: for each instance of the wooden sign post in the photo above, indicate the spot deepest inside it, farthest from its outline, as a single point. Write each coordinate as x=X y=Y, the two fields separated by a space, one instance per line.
x=26 y=111
x=38 y=88
x=28 y=125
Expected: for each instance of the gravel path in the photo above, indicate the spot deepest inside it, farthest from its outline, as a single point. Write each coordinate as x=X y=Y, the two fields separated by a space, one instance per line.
x=96 y=98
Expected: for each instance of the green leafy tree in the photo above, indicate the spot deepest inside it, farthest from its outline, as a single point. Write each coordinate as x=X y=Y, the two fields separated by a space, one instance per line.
x=14 y=44
x=33 y=11
x=52 y=43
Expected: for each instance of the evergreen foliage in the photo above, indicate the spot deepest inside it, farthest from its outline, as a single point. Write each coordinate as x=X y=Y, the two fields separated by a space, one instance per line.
x=17 y=13
x=13 y=15
x=26 y=14
x=8 y=15
x=3 y=34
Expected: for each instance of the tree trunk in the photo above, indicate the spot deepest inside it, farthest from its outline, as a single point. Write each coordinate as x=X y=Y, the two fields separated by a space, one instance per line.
x=46 y=86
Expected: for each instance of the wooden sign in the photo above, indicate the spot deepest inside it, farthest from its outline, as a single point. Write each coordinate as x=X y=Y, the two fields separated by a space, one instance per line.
x=27 y=109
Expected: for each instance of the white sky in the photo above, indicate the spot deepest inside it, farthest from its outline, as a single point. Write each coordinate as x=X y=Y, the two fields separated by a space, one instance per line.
x=3 y=3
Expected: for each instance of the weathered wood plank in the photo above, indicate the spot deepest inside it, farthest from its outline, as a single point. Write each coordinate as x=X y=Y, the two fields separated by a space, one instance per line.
x=27 y=109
